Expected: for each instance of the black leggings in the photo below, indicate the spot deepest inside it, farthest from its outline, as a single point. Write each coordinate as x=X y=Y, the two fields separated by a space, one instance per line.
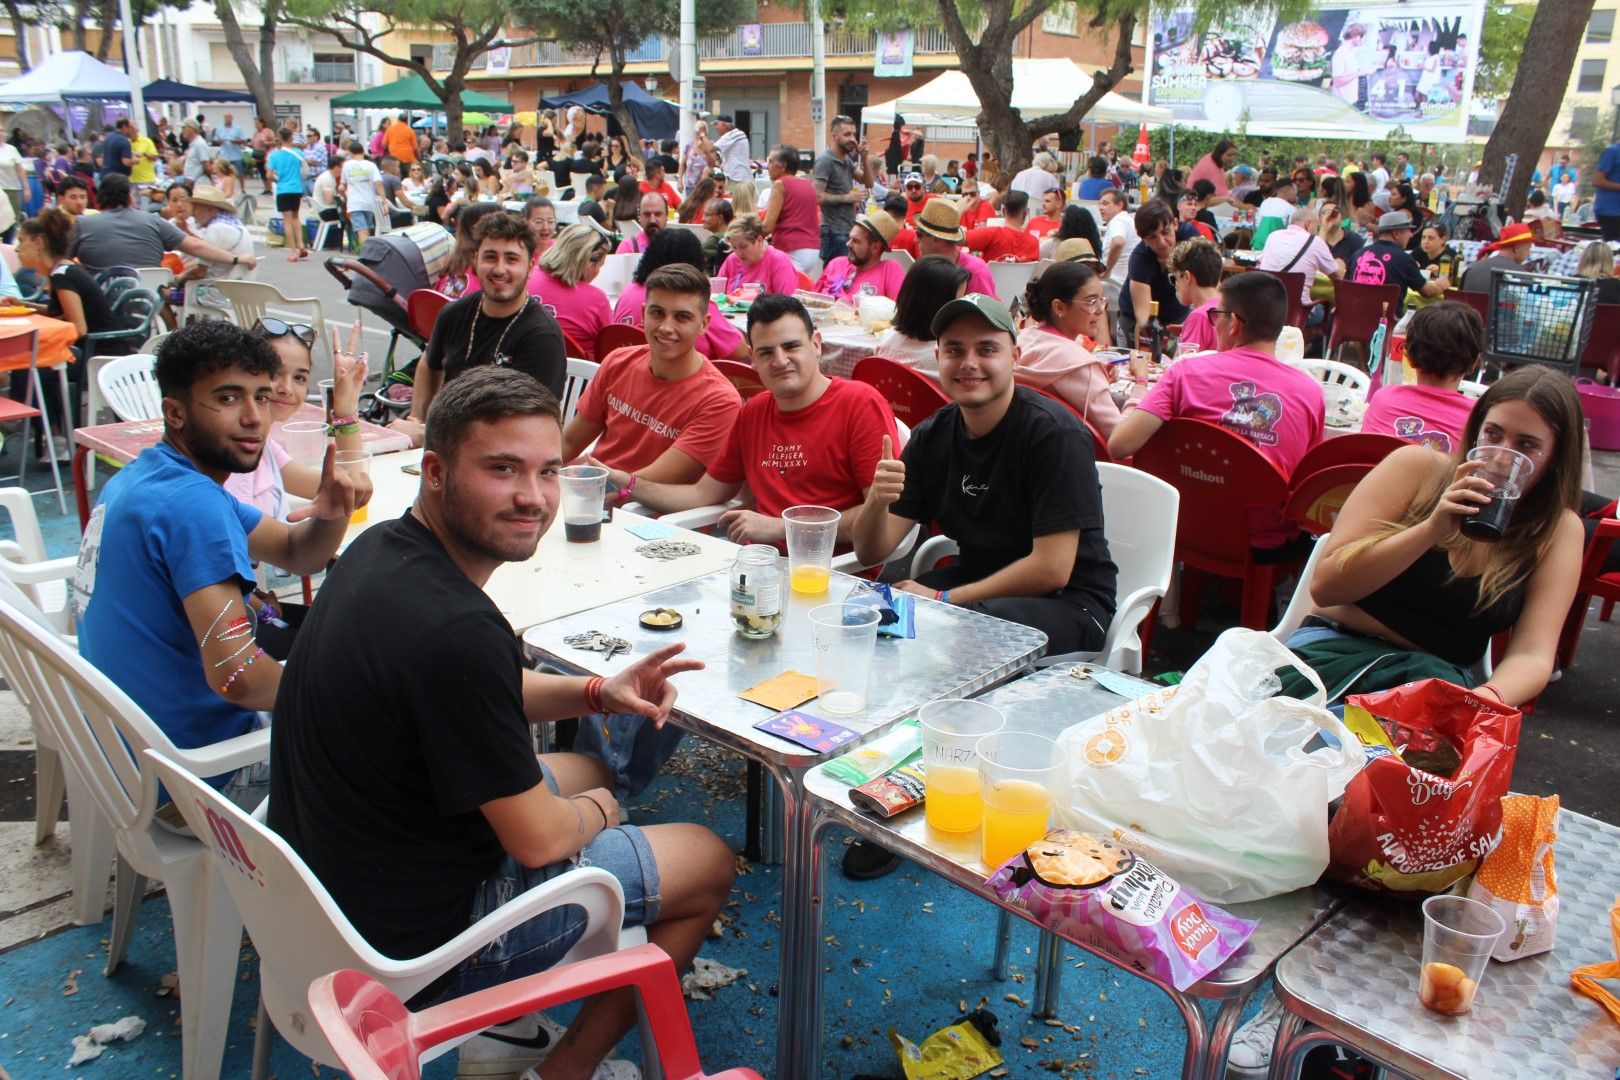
x=1071 y=620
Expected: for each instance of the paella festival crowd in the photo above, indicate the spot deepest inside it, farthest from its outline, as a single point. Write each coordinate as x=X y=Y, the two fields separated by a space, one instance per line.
x=1347 y=383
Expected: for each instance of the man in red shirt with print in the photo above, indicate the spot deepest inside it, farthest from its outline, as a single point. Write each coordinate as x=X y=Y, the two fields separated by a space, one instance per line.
x=1008 y=242
x=916 y=197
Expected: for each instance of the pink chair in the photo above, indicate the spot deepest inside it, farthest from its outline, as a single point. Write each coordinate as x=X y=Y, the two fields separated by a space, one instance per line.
x=377 y=1038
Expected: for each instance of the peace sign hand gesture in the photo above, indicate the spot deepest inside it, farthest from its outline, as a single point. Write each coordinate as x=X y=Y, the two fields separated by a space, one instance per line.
x=348 y=373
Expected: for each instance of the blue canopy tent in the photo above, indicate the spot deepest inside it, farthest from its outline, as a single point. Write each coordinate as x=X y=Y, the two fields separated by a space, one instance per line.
x=655 y=118
x=169 y=90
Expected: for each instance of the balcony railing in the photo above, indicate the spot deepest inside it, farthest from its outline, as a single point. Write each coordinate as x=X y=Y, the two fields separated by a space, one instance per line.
x=775 y=41
x=333 y=72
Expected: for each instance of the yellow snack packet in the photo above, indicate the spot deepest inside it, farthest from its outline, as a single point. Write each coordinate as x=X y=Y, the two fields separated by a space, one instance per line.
x=958 y=1052
x=1369 y=732
x=1516 y=880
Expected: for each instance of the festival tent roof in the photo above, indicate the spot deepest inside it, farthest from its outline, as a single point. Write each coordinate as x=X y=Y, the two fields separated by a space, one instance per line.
x=655 y=118
x=1040 y=87
x=66 y=76
x=169 y=90
x=412 y=92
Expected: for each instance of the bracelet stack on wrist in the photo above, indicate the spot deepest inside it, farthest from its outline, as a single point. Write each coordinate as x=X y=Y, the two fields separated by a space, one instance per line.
x=343 y=425
x=593 y=693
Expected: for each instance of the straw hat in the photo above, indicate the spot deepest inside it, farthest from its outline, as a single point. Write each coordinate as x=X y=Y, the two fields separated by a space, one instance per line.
x=942 y=220
x=209 y=195
x=1076 y=249
x=1516 y=233
x=880 y=225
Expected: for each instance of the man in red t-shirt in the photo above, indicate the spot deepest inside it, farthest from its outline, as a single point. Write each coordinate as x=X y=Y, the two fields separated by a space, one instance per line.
x=659 y=410
x=655 y=182
x=810 y=440
x=1007 y=242
x=976 y=210
x=916 y=197
x=1050 y=217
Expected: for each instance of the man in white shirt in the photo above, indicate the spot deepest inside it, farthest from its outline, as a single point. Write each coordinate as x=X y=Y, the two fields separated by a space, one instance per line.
x=361 y=184
x=13 y=180
x=197 y=151
x=218 y=224
x=1298 y=249
x=730 y=152
x=1378 y=175
x=1119 y=235
x=1282 y=202
x=1039 y=178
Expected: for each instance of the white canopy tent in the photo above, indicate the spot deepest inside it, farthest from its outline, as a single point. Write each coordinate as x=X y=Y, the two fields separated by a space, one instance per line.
x=66 y=76
x=1040 y=87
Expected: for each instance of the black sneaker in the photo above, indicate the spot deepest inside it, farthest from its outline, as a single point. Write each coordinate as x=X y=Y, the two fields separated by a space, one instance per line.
x=864 y=861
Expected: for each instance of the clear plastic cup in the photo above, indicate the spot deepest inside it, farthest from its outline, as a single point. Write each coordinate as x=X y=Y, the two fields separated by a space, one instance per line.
x=304 y=441
x=951 y=730
x=843 y=638
x=356 y=461
x=1019 y=776
x=811 y=533
x=1458 y=936
x=584 y=487
x=1508 y=471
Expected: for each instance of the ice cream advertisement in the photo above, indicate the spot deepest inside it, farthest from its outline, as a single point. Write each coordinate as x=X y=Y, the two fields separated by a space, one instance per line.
x=1353 y=69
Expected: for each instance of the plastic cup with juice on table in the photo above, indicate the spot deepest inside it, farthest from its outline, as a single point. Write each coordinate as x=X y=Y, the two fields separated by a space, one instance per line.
x=1458 y=936
x=1018 y=776
x=356 y=461
x=951 y=730
x=811 y=533
x=584 y=488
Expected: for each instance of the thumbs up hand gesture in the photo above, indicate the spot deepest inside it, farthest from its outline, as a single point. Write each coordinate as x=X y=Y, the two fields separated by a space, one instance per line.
x=889 y=479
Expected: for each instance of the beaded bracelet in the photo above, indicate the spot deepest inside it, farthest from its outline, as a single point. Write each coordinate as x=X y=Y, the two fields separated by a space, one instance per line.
x=237 y=673
x=593 y=693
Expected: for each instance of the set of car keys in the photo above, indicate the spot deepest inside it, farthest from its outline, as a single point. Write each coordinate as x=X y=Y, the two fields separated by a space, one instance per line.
x=596 y=641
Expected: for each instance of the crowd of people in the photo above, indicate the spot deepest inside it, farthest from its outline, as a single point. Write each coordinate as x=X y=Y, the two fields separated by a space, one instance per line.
x=414 y=795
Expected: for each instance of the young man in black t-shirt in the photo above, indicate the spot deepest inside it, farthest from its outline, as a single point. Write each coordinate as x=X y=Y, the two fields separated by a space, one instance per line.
x=407 y=779
x=500 y=324
x=1010 y=476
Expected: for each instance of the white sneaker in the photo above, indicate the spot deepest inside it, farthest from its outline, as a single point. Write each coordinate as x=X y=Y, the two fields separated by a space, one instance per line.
x=59 y=444
x=608 y=1070
x=503 y=1051
x=1251 y=1047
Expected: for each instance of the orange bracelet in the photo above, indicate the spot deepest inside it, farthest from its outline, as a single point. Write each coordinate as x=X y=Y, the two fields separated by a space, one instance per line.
x=593 y=693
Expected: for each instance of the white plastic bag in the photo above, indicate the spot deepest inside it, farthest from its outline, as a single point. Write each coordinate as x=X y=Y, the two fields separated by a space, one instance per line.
x=1211 y=781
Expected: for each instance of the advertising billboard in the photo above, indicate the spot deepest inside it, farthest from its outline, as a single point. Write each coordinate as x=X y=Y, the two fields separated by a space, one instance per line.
x=1348 y=70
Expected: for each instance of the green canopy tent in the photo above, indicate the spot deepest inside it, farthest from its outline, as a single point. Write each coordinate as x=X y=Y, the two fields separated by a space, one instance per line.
x=412 y=93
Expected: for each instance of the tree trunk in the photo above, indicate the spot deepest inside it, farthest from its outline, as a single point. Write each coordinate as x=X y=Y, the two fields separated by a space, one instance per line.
x=454 y=84
x=19 y=27
x=621 y=111
x=259 y=74
x=109 y=29
x=81 y=37
x=1532 y=105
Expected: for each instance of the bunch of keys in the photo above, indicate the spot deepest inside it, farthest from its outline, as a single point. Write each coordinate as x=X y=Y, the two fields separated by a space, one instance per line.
x=596 y=641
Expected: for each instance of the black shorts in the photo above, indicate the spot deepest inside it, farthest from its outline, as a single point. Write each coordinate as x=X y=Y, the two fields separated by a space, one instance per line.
x=288 y=204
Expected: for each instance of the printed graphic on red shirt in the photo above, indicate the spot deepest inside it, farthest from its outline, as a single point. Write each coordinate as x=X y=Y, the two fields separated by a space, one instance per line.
x=1254 y=416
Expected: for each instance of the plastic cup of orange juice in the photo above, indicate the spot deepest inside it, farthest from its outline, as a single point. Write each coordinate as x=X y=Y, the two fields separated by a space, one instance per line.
x=1019 y=775
x=951 y=731
x=358 y=461
x=811 y=533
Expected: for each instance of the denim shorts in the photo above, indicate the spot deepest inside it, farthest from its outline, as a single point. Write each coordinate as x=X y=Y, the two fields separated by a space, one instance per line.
x=362 y=219
x=630 y=746
x=538 y=944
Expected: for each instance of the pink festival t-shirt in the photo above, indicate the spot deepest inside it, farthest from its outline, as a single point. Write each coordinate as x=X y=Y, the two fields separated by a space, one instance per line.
x=1198 y=328
x=1430 y=416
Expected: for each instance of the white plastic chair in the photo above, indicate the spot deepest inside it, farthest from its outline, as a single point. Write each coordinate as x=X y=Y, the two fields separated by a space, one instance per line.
x=323 y=226
x=615 y=274
x=99 y=732
x=251 y=300
x=156 y=278
x=902 y=257
x=1139 y=520
x=580 y=373
x=129 y=389
x=301 y=934
x=1470 y=389
x=1334 y=373
x=1012 y=278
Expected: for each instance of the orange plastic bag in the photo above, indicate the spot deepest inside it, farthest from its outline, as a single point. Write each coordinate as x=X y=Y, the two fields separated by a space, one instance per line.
x=1585 y=979
x=1516 y=880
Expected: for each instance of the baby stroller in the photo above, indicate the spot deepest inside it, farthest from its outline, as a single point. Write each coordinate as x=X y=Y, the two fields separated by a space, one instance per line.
x=381 y=279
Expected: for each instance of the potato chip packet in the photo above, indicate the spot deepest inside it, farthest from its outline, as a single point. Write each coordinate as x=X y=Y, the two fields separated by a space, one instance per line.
x=1516 y=880
x=958 y=1052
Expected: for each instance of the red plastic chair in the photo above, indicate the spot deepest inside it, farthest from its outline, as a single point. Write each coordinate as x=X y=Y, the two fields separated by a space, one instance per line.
x=1099 y=445
x=1357 y=309
x=575 y=349
x=1315 y=500
x=377 y=1038
x=1593 y=583
x=1294 y=282
x=806 y=282
x=913 y=396
x=1603 y=347
x=618 y=336
x=742 y=376
x=422 y=308
x=1361 y=448
x=1218 y=474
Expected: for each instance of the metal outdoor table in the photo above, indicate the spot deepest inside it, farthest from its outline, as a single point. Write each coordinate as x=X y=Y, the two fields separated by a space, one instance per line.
x=1046 y=703
x=956 y=653
x=1355 y=981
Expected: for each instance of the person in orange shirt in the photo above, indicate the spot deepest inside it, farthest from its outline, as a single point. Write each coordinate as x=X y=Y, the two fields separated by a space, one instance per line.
x=401 y=140
x=1007 y=242
x=1050 y=217
x=917 y=197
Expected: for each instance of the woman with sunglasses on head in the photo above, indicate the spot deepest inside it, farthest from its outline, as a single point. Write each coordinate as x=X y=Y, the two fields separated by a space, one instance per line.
x=1066 y=301
x=562 y=280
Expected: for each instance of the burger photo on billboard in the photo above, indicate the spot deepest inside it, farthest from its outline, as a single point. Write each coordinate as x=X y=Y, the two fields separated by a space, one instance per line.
x=1302 y=53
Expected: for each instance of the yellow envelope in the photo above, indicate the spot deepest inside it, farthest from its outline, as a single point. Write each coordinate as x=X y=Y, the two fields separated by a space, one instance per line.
x=782 y=691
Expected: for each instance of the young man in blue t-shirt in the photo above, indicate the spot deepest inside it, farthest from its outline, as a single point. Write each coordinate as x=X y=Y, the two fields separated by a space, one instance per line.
x=287 y=166
x=1606 y=200
x=164 y=563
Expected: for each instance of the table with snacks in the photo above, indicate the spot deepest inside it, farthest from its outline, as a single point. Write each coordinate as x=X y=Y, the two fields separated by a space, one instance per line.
x=844 y=341
x=955 y=653
x=561 y=578
x=121 y=443
x=1046 y=703
x=1354 y=982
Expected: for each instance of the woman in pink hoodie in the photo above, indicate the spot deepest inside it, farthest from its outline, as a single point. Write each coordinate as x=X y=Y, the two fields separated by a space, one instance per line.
x=1066 y=300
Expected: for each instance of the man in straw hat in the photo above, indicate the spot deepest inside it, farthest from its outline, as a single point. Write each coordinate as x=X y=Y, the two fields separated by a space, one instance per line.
x=940 y=232
x=864 y=271
x=1509 y=252
x=218 y=225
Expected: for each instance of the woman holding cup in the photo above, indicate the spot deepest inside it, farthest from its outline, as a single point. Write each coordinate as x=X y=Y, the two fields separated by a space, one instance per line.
x=1434 y=554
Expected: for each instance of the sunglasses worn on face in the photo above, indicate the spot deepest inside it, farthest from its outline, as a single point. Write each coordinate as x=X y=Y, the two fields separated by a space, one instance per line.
x=274 y=328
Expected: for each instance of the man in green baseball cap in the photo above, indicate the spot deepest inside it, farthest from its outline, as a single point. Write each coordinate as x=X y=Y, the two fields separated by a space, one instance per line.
x=1009 y=474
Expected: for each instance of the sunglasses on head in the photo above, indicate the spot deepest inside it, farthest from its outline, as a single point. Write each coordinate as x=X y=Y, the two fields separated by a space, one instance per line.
x=274 y=328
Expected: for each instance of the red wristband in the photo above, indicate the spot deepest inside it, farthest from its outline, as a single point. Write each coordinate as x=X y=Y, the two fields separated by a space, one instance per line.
x=593 y=693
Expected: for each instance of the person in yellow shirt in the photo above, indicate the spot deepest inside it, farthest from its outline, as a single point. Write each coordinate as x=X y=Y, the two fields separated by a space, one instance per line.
x=143 y=173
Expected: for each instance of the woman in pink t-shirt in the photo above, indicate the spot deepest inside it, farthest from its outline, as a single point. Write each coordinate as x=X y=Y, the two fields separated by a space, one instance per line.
x=754 y=261
x=1443 y=342
x=562 y=280
x=1195 y=268
x=1066 y=301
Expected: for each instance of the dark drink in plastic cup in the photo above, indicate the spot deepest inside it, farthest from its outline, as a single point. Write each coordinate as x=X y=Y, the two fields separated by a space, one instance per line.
x=1490 y=524
x=583 y=532
x=1507 y=471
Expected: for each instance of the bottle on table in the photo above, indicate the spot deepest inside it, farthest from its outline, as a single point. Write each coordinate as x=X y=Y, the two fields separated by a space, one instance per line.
x=1149 y=343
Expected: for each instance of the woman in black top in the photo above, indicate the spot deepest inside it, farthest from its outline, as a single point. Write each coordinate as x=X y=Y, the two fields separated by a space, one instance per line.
x=1078 y=223
x=1149 y=274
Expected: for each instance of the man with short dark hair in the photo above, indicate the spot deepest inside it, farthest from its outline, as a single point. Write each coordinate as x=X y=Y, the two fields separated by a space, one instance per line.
x=500 y=324
x=1243 y=388
x=407 y=779
x=117 y=152
x=164 y=563
x=1010 y=241
x=654 y=215
x=1047 y=221
x=121 y=236
x=840 y=175
x=656 y=184
x=73 y=195
x=1119 y=237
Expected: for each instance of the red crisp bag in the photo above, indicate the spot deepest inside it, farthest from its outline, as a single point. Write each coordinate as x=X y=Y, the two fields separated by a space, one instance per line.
x=1416 y=822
